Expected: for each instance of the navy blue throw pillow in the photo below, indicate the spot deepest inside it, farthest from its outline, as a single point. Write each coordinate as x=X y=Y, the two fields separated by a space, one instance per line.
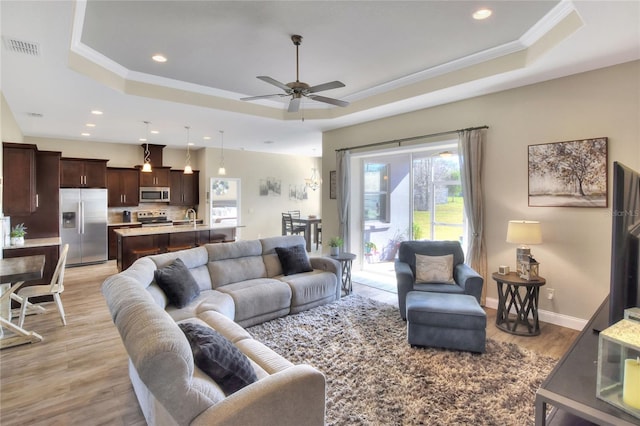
x=294 y=259
x=219 y=358
x=177 y=283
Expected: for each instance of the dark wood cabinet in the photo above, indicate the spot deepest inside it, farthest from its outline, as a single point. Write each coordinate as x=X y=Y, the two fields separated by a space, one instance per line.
x=185 y=189
x=113 y=238
x=83 y=173
x=123 y=187
x=159 y=176
x=51 y=253
x=19 y=171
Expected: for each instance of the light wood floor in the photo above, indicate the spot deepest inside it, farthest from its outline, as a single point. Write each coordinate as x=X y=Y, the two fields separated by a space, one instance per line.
x=78 y=374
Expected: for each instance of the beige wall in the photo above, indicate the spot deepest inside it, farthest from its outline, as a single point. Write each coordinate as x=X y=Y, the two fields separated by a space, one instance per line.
x=575 y=256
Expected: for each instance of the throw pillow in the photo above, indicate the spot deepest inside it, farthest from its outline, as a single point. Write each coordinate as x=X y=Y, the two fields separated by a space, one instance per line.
x=177 y=283
x=294 y=259
x=219 y=358
x=434 y=269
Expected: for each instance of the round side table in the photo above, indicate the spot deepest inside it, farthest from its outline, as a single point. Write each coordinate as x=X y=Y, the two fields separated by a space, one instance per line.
x=525 y=303
x=346 y=260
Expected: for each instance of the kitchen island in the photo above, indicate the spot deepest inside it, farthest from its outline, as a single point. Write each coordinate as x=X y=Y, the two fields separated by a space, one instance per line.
x=134 y=243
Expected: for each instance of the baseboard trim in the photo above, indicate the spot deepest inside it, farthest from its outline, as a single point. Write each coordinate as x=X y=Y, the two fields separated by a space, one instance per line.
x=548 y=316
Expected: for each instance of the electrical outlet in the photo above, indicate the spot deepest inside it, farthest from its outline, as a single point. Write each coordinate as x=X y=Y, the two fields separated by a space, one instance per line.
x=550 y=292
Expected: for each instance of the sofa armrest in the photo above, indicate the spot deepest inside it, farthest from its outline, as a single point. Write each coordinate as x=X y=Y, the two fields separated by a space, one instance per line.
x=292 y=397
x=404 y=280
x=329 y=265
x=470 y=281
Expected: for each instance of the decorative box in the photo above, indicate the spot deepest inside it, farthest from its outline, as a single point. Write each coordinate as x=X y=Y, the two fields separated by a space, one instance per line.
x=618 y=376
x=529 y=269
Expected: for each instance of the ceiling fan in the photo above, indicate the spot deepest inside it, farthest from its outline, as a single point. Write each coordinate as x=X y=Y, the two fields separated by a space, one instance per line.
x=298 y=89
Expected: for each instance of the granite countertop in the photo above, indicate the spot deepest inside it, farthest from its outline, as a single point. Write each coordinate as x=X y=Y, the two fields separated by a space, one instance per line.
x=36 y=242
x=153 y=230
x=123 y=223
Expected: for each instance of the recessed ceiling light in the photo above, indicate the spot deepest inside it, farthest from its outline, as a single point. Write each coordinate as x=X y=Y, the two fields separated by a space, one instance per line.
x=142 y=139
x=481 y=14
x=85 y=134
x=96 y=112
x=90 y=125
x=206 y=138
x=159 y=58
x=155 y=132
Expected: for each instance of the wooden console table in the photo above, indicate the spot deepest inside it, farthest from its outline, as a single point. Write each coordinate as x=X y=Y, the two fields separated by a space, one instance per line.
x=571 y=387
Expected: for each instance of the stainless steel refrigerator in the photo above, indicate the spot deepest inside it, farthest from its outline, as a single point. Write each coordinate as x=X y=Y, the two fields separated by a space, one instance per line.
x=83 y=224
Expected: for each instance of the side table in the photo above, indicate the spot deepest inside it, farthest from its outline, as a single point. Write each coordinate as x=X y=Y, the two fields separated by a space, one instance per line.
x=525 y=303
x=346 y=260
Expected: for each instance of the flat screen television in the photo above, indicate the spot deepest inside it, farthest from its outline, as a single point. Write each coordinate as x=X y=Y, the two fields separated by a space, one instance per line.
x=625 y=242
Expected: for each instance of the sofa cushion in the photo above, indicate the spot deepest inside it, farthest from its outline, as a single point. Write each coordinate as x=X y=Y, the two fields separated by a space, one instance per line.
x=294 y=260
x=260 y=300
x=177 y=283
x=434 y=269
x=219 y=358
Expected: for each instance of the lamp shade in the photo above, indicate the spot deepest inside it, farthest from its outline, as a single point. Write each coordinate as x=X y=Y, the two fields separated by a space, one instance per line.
x=524 y=232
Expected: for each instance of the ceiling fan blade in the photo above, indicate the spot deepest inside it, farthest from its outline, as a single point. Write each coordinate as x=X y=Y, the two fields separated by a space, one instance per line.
x=253 y=98
x=325 y=86
x=294 y=104
x=275 y=83
x=336 y=102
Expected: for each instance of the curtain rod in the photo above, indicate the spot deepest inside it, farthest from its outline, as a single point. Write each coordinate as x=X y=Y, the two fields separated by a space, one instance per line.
x=400 y=141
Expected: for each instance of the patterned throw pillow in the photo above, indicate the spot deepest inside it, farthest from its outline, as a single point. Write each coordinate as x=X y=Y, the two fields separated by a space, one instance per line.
x=177 y=283
x=294 y=259
x=434 y=269
x=219 y=358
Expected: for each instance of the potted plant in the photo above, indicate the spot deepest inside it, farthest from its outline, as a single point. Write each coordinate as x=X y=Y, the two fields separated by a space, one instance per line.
x=335 y=243
x=370 y=249
x=17 y=234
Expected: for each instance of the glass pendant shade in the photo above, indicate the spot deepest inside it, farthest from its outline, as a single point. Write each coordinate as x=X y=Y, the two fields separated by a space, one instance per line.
x=187 y=168
x=147 y=162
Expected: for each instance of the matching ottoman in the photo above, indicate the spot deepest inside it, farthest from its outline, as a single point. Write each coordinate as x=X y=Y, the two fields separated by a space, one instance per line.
x=446 y=320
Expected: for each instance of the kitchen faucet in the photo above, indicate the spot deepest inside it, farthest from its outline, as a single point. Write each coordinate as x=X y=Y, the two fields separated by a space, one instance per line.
x=195 y=215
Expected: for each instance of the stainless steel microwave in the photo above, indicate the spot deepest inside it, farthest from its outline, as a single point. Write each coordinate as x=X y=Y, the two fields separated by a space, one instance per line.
x=154 y=194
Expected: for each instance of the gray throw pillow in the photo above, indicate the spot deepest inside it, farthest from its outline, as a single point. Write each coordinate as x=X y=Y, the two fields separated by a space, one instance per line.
x=294 y=259
x=177 y=283
x=219 y=358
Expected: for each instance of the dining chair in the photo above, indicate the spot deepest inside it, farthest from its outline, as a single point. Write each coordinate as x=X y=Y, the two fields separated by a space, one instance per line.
x=55 y=288
x=318 y=235
x=295 y=214
x=290 y=228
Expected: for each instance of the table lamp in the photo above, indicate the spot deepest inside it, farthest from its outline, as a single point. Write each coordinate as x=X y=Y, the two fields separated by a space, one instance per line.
x=523 y=232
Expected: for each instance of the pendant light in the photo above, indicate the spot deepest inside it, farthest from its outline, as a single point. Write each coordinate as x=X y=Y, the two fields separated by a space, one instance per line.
x=222 y=171
x=147 y=162
x=187 y=168
x=313 y=182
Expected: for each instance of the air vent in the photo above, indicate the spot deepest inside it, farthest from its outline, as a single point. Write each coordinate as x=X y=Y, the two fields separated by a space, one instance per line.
x=21 y=46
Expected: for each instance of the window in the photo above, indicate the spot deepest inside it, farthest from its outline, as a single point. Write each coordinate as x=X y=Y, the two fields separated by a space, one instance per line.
x=376 y=192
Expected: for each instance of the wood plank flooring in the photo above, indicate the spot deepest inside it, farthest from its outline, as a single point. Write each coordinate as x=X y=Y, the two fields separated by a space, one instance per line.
x=78 y=374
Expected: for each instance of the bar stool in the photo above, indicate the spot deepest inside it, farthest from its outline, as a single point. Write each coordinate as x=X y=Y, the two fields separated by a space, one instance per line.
x=137 y=254
x=178 y=248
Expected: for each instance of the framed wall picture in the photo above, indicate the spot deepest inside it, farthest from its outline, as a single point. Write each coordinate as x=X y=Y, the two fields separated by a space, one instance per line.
x=568 y=174
x=332 y=184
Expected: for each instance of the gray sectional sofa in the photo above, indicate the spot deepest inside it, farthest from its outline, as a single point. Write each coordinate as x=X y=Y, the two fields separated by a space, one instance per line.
x=240 y=284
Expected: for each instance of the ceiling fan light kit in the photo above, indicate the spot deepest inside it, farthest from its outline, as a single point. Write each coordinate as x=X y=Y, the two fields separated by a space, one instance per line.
x=299 y=89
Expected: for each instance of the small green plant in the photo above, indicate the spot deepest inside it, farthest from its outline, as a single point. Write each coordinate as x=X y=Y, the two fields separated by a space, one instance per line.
x=370 y=247
x=336 y=242
x=18 y=231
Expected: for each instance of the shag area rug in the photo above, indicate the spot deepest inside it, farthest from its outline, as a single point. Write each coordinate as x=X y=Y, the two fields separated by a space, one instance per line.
x=375 y=378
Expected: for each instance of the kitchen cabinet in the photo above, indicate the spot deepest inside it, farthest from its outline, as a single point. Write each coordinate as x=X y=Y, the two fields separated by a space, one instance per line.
x=123 y=187
x=19 y=170
x=83 y=173
x=159 y=176
x=113 y=238
x=51 y=254
x=185 y=189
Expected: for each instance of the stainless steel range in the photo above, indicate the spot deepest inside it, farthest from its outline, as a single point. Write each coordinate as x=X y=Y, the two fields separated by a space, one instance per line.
x=154 y=218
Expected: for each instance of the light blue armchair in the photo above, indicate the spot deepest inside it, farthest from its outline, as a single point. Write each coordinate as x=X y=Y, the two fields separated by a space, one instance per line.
x=467 y=281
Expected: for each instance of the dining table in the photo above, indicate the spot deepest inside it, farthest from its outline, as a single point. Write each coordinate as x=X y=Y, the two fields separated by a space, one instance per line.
x=308 y=222
x=14 y=272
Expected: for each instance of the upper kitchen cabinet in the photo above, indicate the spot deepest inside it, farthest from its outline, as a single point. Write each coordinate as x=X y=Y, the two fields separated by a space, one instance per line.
x=19 y=170
x=83 y=173
x=185 y=189
x=123 y=187
x=159 y=176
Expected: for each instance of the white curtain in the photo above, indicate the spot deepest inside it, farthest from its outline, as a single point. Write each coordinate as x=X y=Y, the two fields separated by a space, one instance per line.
x=471 y=154
x=343 y=160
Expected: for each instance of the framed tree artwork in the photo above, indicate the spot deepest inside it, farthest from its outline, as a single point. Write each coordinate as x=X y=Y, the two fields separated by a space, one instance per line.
x=568 y=174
